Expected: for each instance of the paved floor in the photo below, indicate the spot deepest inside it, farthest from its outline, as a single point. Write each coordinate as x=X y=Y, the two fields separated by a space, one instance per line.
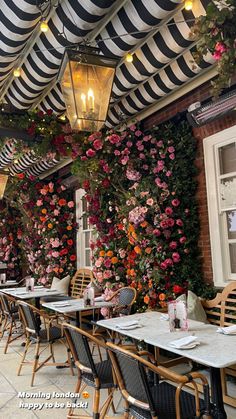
x=50 y=394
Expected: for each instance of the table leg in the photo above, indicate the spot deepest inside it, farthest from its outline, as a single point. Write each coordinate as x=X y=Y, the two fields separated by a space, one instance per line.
x=216 y=392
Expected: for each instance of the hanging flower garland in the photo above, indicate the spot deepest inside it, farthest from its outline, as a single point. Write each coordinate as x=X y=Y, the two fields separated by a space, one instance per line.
x=140 y=194
x=46 y=135
x=217 y=33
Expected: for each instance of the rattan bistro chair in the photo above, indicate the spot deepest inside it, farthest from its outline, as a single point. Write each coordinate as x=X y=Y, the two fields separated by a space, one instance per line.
x=35 y=333
x=163 y=400
x=10 y=320
x=98 y=375
x=126 y=297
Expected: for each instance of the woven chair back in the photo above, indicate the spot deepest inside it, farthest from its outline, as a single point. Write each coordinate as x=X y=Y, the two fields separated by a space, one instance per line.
x=29 y=318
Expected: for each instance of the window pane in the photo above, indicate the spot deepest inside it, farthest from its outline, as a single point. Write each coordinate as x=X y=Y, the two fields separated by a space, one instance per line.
x=227 y=158
x=232 y=252
x=231 y=224
x=87 y=238
x=87 y=258
x=85 y=221
x=228 y=192
x=84 y=205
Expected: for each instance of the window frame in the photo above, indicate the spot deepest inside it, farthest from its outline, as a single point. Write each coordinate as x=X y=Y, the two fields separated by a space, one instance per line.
x=80 y=236
x=222 y=274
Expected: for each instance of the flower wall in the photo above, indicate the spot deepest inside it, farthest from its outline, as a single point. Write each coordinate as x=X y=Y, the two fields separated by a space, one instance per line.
x=47 y=244
x=140 y=190
x=11 y=234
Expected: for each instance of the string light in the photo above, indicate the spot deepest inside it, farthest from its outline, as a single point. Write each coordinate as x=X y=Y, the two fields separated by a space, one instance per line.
x=129 y=58
x=188 y=5
x=44 y=25
x=17 y=72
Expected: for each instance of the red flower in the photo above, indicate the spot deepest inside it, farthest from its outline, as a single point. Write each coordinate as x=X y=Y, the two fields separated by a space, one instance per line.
x=62 y=202
x=31 y=129
x=106 y=183
x=175 y=202
x=72 y=258
x=20 y=175
x=49 y=112
x=63 y=252
x=86 y=184
x=70 y=242
x=90 y=152
x=40 y=114
x=177 y=289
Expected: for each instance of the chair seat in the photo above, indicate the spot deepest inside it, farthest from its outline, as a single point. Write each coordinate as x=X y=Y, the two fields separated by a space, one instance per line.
x=54 y=334
x=164 y=400
x=104 y=370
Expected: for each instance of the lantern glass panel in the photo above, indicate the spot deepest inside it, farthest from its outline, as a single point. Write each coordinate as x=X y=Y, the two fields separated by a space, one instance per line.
x=86 y=88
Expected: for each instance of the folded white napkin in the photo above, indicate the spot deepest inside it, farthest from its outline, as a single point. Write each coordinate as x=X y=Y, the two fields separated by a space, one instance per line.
x=61 y=304
x=101 y=298
x=50 y=290
x=229 y=330
x=164 y=317
x=184 y=342
x=131 y=324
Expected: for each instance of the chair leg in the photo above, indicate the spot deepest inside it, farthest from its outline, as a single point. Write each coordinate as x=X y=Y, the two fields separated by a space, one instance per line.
x=96 y=400
x=4 y=326
x=70 y=361
x=36 y=360
x=52 y=351
x=77 y=389
x=9 y=337
x=27 y=345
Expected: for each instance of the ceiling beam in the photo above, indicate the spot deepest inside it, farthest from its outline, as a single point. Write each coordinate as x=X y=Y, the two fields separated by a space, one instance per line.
x=28 y=48
x=90 y=38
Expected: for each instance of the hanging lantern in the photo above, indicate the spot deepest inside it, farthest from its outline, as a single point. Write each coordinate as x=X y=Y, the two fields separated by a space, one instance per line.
x=3 y=183
x=86 y=81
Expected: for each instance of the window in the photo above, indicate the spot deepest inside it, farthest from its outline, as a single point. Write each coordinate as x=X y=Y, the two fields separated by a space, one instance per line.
x=85 y=231
x=220 y=167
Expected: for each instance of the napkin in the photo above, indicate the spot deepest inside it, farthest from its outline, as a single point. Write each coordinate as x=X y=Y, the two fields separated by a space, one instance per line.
x=101 y=298
x=229 y=330
x=184 y=342
x=132 y=324
x=60 y=304
x=164 y=317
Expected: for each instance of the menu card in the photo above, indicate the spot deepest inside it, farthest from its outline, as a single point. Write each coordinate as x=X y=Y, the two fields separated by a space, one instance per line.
x=177 y=311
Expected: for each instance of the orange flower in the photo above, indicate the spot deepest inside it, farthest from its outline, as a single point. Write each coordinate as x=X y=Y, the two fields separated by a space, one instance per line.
x=131 y=228
x=146 y=299
x=61 y=270
x=56 y=269
x=144 y=224
x=43 y=219
x=62 y=202
x=131 y=272
x=114 y=260
x=134 y=235
x=102 y=253
x=163 y=304
x=140 y=287
x=69 y=228
x=162 y=296
x=150 y=283
x=44 y=211
x=110 y=253
x=50 y=225
x=138 y=250
x=148 y=250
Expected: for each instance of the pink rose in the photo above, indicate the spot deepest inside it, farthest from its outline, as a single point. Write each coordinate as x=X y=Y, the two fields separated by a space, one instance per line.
x=117 y=153
x=168 y=211
x=160 y=143
x=150 y=202
x=156 y=232
x=97 y=144
x=171 y=149
x=55 y=254
x=176 y=257
x=179 y=222
x=132 y=127
x=175 y=202
x=168 y=173
x=114 y=139
x=182 y=239
x=173 y=245
x=39 y=202
x=172 y=156
x=56 y=212
x=71 y=204
x=138 y=133
x=90 y=152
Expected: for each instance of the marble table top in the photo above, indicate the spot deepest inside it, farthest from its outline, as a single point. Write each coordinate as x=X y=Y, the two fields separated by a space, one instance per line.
x=215 y=349
x=8 y=284
x=21 y=293
x=75 y=305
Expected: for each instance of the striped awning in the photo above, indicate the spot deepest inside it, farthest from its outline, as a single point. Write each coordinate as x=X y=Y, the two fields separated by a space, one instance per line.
x=155 y=31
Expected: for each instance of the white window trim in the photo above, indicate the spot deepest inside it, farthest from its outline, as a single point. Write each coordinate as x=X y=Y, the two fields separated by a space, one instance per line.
x=80 y=243
x=219 y=249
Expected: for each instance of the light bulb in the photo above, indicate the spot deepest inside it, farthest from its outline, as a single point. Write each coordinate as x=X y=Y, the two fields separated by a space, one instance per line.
x=16 y=72
x=44 y=25
x=188 y=5
x=129 y=58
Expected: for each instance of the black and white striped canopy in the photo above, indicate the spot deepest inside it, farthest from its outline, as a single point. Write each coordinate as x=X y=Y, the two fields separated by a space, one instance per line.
x=155 y=31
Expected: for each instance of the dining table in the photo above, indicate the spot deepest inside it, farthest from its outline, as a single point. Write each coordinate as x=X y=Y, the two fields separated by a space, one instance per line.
x=21 y=293
x=216 y=350
x=8 y=284
x=77 y=306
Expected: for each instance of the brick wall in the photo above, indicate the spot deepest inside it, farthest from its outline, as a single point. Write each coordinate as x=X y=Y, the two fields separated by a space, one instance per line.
x=200 y=94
